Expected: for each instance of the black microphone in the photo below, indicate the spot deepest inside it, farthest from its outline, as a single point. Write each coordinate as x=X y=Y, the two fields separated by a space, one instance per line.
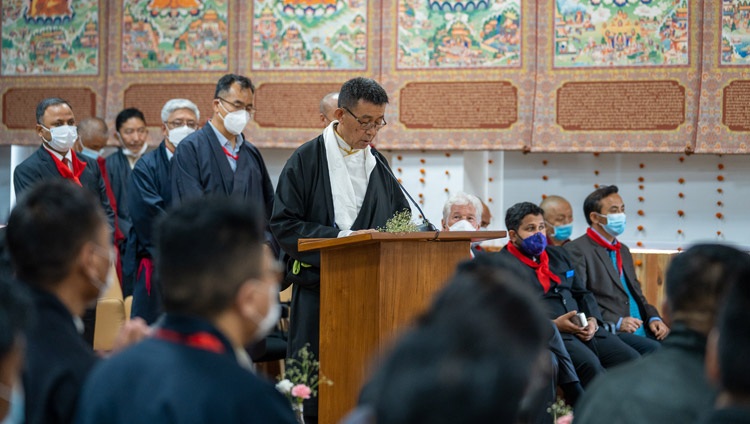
x=426 y=224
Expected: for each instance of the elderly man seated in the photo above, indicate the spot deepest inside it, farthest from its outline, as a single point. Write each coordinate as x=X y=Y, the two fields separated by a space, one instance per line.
x=462 y=212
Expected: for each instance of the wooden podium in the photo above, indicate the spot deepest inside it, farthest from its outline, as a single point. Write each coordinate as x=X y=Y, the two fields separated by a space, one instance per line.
x=373 y=285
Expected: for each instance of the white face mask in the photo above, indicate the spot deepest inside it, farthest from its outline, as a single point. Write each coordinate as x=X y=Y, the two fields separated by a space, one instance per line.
x=235 y=121
x=128 y=152
x=16 y=402
x=63 y=137
x=462 y=225
x=109 y=279
x=176 y=135
x=268 y=322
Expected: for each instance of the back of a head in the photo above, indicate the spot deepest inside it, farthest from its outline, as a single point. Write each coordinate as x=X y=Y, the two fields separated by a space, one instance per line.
x=734 y=337
x=471 y=356
x=48 y=228
x=364 y=89
x=206 y=249
x=697 y=280
x=91 y=127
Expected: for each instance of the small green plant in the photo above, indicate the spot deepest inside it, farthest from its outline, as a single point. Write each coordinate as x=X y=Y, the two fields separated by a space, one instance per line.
x=561 y=412
x=399 y=223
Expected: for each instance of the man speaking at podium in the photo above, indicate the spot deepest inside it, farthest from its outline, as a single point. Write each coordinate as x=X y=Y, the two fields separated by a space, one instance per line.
x=335 y=185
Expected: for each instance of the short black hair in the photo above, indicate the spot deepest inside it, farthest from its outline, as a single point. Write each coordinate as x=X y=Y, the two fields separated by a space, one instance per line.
x=225 y=82
x=361 y=88
x=15 y=313
x=734 y=336
x=206 y=249
x=127 y=114
x=516 y=213
x=45 y=104
x=466 y=352
x=48 y=228
x=593 y=202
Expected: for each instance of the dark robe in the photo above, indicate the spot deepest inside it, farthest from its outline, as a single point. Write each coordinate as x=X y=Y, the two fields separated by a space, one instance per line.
x=149 y=195
x=40 y=167
x=200 y=167
x=173 y=380
x=118 y=171
x=56 y=364
x=303 y=208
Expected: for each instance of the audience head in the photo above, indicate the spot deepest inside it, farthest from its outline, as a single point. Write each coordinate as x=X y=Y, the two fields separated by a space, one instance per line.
x=233 y=104
x=697 y=280
x=526 y=228
x=472 y=356
x=212 y=264
x=59 y=240
x=328 y=104
x=56 y=124
x=15 y=311
x=558 y=216
x=130 y=125
x=462 y=212
x=486 y=216
x=180 y=118
x=93 y=134
x=729 y=343
x=605 y=211
x=361 y=111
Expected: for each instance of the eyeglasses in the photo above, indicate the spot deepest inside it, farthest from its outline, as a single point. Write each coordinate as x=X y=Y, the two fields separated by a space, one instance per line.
x=239 y=105
x=367 y=125
x=177 y=123
x=130 y=131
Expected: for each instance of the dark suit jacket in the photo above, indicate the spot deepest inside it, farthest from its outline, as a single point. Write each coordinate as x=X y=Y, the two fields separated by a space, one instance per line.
x=595 y=270
x=41 y=167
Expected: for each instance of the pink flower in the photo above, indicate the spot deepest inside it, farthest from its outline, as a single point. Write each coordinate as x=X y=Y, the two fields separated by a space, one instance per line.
x=565 y=419
x=301 y=391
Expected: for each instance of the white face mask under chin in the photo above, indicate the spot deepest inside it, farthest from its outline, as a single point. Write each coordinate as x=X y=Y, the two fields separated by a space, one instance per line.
x=128 y=152
x=268 y=322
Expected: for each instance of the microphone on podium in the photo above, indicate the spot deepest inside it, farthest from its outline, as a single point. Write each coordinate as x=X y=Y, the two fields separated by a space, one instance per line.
x=426 y=225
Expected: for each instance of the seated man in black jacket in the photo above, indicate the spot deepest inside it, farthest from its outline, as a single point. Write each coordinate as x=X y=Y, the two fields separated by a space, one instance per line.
x=550 y=273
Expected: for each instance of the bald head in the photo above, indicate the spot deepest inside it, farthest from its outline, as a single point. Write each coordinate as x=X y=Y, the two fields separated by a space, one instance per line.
x=328 y=104
x=557 y=212
x=93 y=133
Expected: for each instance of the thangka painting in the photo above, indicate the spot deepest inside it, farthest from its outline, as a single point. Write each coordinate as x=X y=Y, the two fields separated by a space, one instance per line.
x=172 y=35
x=621 y=33
x=458 y=33
x=309 y=34
x=50 y=37
x=735 y=32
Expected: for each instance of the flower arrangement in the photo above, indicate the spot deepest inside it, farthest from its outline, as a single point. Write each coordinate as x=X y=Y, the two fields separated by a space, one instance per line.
x=300 y=379
x=561 y=412
x=400 y=223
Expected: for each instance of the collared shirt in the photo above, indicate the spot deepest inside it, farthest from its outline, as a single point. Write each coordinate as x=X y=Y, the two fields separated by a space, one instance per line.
x=224 y=142
x=170 y=155
x=60 y=157
x=355 y=161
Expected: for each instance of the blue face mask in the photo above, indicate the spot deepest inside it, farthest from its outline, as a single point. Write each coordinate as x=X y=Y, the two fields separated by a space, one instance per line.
x=563 y=232
x=615 y=224
x=93 y=154
x=534 y=244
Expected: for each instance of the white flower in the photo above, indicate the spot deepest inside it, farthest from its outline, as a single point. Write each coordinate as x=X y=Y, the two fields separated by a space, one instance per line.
x=284 y=386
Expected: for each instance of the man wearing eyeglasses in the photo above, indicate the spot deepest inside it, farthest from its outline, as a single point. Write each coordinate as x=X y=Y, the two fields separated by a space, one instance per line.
x=131 y=132
x=149 y=195
x=218 y=159
x=332 y=186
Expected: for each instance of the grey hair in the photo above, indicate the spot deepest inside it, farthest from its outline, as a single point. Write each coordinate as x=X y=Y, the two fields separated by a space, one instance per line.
x=462 y=199
x=176 y=104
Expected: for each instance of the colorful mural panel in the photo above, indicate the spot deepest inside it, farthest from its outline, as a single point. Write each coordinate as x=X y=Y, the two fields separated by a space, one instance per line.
x=735 y=32
x=309 y=34
x=451 y=34
x=50 y=37
x=621 y=33
x=175 y=35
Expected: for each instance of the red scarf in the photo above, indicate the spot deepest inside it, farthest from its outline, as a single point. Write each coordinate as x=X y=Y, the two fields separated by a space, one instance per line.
x=598 y=239
x=147 y=266
x=65 y=172
x=543 y=273
x=200 y=340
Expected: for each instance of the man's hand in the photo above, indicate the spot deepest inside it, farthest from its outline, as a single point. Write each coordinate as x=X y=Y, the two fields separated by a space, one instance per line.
x=131 y=333
x=587 y=333
x=659 y=329
x=358 y=232
x=630 y=324
x=565 y=323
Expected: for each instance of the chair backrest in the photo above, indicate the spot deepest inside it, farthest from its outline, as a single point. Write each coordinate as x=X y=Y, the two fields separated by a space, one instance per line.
x=110 y=316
